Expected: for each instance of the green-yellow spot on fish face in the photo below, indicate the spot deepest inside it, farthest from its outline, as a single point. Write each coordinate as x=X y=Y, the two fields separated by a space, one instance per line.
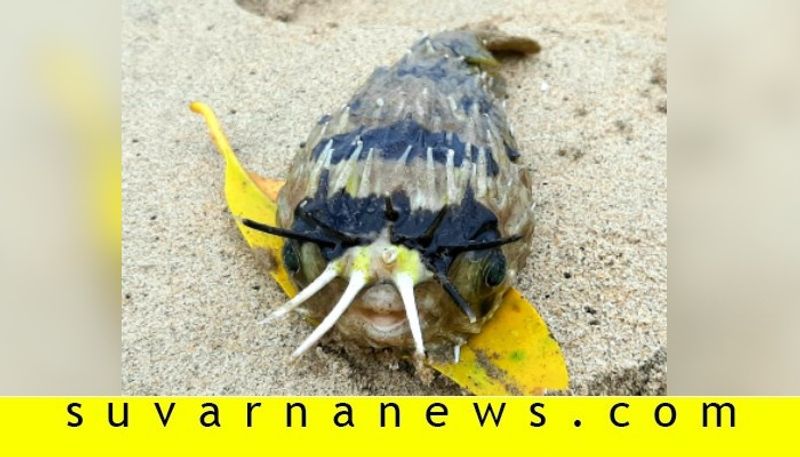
x=337 y=266
x=517 y=356
x=362 y=261
x=408 y=262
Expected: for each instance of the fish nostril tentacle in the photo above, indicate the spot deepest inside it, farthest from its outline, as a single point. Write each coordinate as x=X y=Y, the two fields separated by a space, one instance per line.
x=389 y=255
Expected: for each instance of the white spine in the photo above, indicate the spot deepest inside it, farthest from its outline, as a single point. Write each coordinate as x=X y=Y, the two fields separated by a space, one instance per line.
x=364 y=187
x=316 y=285
x=481 y=172
x=405 y=285
x=357 y=282
x=452 y=192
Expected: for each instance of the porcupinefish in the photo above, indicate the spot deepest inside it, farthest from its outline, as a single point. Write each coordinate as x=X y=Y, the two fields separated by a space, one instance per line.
x=406 y=215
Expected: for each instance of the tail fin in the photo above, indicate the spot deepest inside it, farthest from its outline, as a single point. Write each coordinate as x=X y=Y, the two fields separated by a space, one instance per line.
x=481 y=43
x=498 y=42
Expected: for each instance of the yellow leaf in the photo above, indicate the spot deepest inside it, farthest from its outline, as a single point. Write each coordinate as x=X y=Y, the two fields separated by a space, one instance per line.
x=247 y=200
x=513 y=355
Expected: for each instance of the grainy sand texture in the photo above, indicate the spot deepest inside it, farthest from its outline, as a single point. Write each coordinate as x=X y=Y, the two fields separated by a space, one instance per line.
x=589 y=113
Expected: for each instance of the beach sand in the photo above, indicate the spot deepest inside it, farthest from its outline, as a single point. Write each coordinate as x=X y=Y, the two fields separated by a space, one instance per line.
x=589 y=113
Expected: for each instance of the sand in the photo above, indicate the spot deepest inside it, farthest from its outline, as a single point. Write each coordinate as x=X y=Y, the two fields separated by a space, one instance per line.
x=589 y=113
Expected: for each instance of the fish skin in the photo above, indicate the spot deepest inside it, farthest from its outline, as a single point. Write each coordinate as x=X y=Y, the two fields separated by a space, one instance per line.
x=427 y=132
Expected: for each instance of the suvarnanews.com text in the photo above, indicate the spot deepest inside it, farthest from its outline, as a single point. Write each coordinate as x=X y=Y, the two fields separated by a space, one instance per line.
x=385 y=414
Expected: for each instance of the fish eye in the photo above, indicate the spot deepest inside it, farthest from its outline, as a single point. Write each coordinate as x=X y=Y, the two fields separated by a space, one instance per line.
x=494 y=272
x=312 y=262
x=290 y=258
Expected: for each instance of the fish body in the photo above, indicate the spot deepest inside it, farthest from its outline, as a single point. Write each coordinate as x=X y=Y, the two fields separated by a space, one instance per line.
x=406 y=213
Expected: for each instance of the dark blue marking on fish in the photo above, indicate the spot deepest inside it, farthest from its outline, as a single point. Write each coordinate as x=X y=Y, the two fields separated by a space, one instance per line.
x=347 y=221
x=460 y=45
x=484 y=105
x=512 y=153
x=393 y=140
x=436 y=71
x=464 y=223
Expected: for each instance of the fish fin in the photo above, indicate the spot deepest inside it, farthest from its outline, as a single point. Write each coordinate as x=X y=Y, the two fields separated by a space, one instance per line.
x=501 y=43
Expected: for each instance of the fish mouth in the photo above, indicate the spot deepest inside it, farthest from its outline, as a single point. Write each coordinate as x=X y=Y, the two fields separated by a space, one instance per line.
x=380 y=315
x=381 y=308
x=383 y=321
x=378 y=304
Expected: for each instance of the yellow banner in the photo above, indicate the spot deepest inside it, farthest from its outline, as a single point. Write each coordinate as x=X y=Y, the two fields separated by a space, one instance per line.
x=402 y=426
